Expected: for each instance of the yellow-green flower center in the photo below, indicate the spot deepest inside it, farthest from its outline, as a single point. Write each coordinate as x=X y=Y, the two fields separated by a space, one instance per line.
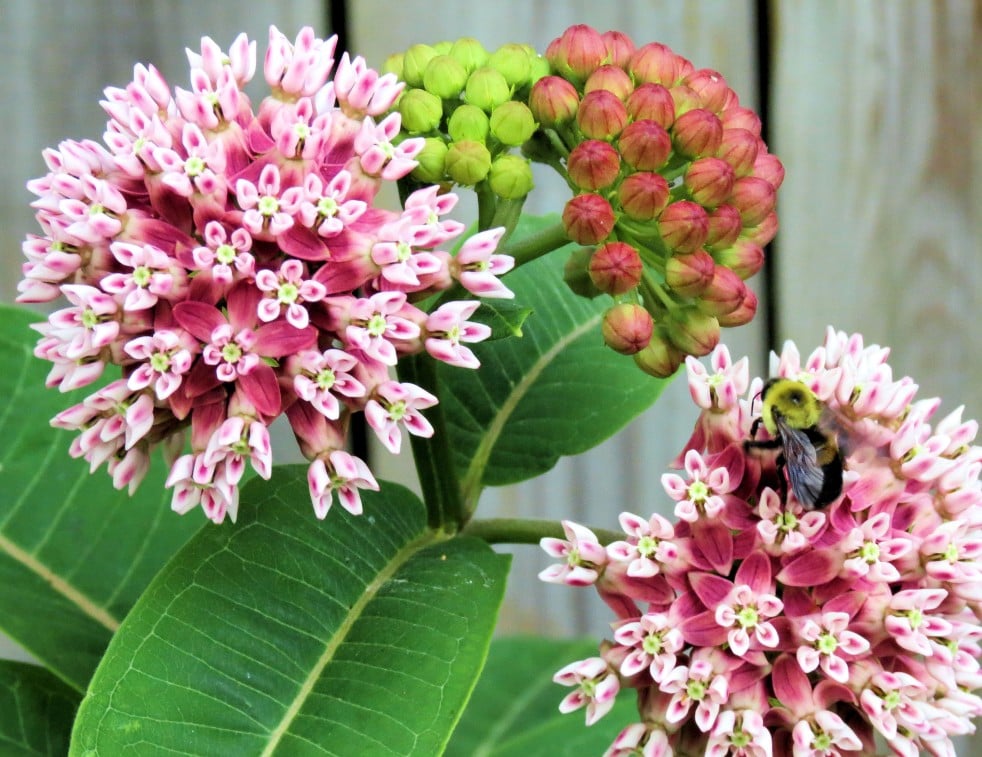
x=325 y=379
x=747 y=617
x=647 y=546
x=652 y=644
x=268 y=206
x=327 y=207
x=160 y=362
x=376 y=325
x=194 y=166
x=826 y=643
x=141 y=276
x=695 y=690
x=870 y=552
x=397 y=410
x=288 y=293
x=698 y=492
x=231 y=353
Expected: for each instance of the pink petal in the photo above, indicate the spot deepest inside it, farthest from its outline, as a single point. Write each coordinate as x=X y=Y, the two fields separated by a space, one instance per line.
x=755 y=571
x=198 y=319
x=261 y=388
x=280 y=338
x=811 y=569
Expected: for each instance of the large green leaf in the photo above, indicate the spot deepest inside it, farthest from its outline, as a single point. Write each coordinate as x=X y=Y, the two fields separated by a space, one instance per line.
x=74 y=553
x=36 y=711
x=286 y=635
x=557 y=390
x=514 y=710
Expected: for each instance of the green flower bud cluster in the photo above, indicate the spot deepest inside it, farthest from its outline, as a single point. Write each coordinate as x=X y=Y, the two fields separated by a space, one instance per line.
x=471 y=107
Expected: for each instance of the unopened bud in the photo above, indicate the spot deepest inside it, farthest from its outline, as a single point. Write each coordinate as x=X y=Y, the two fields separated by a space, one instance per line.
x=469 y=53
x=724 y=227
x=693 y=332
x=643 y=196
x=697 y=133
x=711 y=88
x=620 y=48
x=553 y=101
x=601 y=115
x=593 y=164
x=655 y=63
x=512 y=123
x=611 y=78
x=739 y=149
x=510 y=177
x=468 y=162
x=414 y=62
x=627 y=328
x=739 y=117
x=660 y=358
x=588 y=219
x=512 y=60
x=683 y=226
x=576 y=273
x=688 y=274
x=487 y=89
x=652 y=102
x=644 y=145
x=763 y=232
x=431 y=161
x=709 y=181
x=616 y=268
x=421 y=111
x=724 y=293
x=685 y=99
x=577 y=53
x=393 y=65
x=743 y=314
x=468 y=122
x=540 y=67
x=445 y=77
x=744 y=258
x=769 y=168
x=755 y=198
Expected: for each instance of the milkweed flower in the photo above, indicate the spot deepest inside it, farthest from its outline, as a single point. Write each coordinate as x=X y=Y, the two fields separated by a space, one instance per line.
x=772 y=629
x=234 y=264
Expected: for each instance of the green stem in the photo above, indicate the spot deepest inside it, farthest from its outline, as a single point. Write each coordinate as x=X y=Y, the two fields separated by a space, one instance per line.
x=538 y=244
x=507 y=214
x=526 y=531
x=655 y=291
x=487 y=206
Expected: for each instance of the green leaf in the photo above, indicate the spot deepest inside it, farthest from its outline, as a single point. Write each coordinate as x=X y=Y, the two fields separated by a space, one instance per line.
x=74 y=552
x=36 y=711
x=356 y=635
x=556 y=391
x=514 y=710
x=505 y=318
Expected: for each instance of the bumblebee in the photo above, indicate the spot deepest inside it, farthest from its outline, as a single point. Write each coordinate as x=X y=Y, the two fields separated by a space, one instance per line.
x=802 y=428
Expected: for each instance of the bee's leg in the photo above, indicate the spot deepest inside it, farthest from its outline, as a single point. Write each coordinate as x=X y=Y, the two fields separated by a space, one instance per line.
x=761 y=444
x=782 y=479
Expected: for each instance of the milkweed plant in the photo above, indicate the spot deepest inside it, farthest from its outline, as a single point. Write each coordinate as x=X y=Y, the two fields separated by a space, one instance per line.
x=217 y=266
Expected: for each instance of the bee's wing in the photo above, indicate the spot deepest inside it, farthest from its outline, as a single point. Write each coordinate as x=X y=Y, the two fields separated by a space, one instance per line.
x=801 y=462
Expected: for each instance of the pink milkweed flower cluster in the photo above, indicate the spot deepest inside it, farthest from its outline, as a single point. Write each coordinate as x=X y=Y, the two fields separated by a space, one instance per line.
x=233 y=262
x=752 y=626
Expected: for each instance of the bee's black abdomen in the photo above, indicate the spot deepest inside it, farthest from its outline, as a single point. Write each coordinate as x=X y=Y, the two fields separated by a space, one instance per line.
x=831 y=483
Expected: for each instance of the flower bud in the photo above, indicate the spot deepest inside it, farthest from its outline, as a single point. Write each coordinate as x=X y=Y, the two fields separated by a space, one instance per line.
x=754 y=198
x=652 y=102
x=611 y=78
x=763 y=232
x=421 y=111
x=744 y=258
x=711 y=88
x=393 y=65
x=468 y=162
x=739 y=149
x=616 y=268
x=742 y=314
x=697 y=133
x=512 y=123
x=620 y=48
x=593 y=164
x=688 y=274
x=601 y=115
x=739 y=117
x=511 y=177
x=769 y=168
x=627 y=328
x=512 y=60
x=709 y=181
x=553 y=101
x=643 y=196
x=468 y=122
x=576 y=273
x=577 y=53
x=655 y=63
x=588 y=219
x=660 y=358
x=692 y=332
x=445 y=77
x=431 y=162
x=644 y=145
x=724 y=227
x=684 y=99
x=683 y=225
x=539 y=65
x=724 y=294
x=486 y=88
x=414 y=62
x=469 y=53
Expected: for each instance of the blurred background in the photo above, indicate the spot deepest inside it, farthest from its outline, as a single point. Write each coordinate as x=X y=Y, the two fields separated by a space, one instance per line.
x=873 y=108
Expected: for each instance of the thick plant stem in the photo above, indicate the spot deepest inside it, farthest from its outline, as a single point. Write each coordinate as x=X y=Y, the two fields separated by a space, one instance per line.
x=526 y=531
x=537 y=245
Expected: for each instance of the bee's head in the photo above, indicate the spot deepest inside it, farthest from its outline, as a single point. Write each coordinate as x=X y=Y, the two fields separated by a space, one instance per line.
x=793 y=401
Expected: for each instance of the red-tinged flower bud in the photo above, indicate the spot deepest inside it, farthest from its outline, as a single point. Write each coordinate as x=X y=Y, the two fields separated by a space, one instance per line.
x=652 y=102
x=627 y=328
x=445 y=77
x=711 y=87
x=593 y=165
x=414 y=62
x=468 y=162
x=693 y=332
x=655 y=63
x=763 y=232
x=512 y=123
x=468 y=122
x=512 y=60
x=553 y=101
x=643 y=196
x=601 y=115
x=431 y=162
x=724 y=294
x=684 y=99
x=588 y=219
x=744 y=258
x=511 y=177
x=697 y=133
x=469 y=53
x=421 y=111
x=739 y=117
x=709 y=181
x=616 y=268
x=611 y=78
x=769 y=168
x=576 y=273
x=577 y=53
x=739 y=149
x=688 y=274
x=660 y=358
x=487 y=89
x=644 y=145
x=620 y=47
x=754 y=198
x=743 y=314
x=683 y=226
x=724 y=227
